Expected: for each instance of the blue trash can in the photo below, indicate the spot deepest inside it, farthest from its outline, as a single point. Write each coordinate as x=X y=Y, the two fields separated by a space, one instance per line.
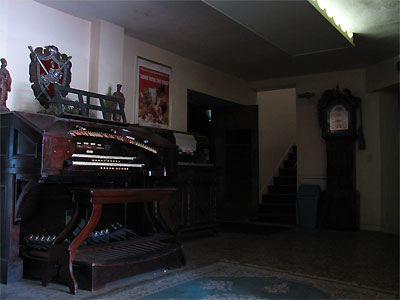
x=307 y=204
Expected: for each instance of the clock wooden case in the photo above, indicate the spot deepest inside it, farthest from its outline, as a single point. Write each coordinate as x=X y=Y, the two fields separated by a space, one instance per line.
x=339 y=206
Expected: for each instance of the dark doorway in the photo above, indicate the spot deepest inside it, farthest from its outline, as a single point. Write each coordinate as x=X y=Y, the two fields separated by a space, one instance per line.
x=202 y=111
x=232 y=130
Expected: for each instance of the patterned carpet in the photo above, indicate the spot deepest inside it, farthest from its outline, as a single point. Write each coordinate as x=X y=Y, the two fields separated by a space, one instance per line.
x=226 y=280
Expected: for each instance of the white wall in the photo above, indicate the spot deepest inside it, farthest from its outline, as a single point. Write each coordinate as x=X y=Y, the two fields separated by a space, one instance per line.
x=29 y=23
x=186 y=74
x=106 y=56
x=3 y=26
x=102 y=56
x=277 y=131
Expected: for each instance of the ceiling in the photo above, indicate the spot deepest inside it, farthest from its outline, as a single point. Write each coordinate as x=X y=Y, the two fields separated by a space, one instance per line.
x=254 y=40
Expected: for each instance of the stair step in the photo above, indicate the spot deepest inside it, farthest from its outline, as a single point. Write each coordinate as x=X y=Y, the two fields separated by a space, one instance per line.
x=278 y=208
x=287 y=171
x=289 y=163
x=279 y=198
x=286 y=204
x=285 y=179
x=277 y=218
x=258 y=222
x=279 y=205
x=282 y=188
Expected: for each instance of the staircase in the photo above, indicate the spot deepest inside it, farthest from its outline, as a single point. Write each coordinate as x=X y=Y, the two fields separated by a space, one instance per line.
x=277 y=212
x=278 y=206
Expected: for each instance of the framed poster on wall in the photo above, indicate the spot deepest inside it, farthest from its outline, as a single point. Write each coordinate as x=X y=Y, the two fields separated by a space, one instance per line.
x=153 y=94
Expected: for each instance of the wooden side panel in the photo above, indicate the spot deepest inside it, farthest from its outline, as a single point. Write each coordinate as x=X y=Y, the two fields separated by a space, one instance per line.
x=56 y=150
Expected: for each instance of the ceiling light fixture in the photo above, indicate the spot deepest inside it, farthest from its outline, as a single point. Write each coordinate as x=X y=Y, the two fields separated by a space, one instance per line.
x=334 y=17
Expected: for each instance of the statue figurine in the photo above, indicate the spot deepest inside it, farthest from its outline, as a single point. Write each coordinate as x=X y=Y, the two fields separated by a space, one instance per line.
x=120 y=95
x=5 y=85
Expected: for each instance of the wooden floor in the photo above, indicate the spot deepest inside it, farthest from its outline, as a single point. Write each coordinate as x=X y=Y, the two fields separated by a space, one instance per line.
x=365 y=258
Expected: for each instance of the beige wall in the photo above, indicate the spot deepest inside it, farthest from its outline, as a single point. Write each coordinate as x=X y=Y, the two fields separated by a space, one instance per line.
x=276 y=130
x=389 y=130
x=186 y=74
x=311 y=164
x=382 y=74
x=383 y=79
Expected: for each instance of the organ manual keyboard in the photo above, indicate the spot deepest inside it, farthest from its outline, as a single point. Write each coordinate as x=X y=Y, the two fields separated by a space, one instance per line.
x=81 y=202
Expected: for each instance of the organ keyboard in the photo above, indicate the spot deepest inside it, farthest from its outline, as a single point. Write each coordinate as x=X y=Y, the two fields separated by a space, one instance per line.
x=80 y=202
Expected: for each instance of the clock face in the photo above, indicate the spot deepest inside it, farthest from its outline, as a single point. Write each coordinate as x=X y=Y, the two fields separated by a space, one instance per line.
x=337 y=115
x=338 y=118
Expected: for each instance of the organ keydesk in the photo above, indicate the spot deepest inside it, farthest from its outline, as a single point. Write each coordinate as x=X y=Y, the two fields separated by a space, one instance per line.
x=80 y=202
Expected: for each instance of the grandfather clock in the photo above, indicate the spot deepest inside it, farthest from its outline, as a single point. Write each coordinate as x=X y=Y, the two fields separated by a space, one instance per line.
x=340 y=208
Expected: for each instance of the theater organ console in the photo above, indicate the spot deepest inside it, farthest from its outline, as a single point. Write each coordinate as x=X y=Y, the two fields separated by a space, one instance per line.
x=81 y=200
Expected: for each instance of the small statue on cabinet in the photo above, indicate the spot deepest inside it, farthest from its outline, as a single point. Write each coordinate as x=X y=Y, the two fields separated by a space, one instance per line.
x=118 y=94
x=5 y=85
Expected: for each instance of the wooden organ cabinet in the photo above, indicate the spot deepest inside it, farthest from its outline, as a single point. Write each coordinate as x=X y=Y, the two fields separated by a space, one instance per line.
x=83 y=201
x=194 y=208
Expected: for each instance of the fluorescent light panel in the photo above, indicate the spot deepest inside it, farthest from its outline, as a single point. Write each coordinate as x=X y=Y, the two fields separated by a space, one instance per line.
x=325 y=8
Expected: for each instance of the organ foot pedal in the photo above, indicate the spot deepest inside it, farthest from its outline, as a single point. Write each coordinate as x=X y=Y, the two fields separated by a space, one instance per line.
x=84 y=257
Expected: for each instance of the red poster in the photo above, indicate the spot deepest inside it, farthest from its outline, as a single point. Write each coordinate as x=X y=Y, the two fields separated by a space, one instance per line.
x=154 y=101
